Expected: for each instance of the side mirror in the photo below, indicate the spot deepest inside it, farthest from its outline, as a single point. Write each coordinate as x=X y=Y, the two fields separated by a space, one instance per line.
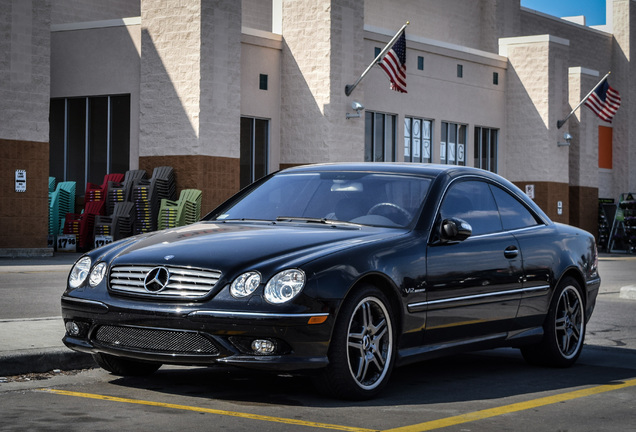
x=455 y=230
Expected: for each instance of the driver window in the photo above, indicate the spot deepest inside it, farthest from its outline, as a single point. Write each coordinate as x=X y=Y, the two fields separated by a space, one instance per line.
x=473 y=202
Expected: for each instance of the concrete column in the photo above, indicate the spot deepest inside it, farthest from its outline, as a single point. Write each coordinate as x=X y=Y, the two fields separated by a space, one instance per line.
x=190 y=93
x=537 y=87
x=323 y=44
x=624 y=164
x=24 y=122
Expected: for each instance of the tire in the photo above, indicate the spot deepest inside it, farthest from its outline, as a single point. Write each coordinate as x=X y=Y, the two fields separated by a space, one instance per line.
x=362 y=349
x=564 y=329
x=125 y=367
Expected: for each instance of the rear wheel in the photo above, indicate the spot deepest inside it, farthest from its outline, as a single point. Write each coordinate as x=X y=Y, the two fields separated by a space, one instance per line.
x=362 y=350
x=125 y=367
x=564 y=329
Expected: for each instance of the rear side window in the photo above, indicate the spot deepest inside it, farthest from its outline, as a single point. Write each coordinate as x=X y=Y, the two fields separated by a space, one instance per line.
x=514 y=215
x=473 y=202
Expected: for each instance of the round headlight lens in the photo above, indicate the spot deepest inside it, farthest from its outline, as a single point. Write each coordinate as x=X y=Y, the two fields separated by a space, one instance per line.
x=245 y=284
x=97 y=274
x=284 y=286
x=79 y=272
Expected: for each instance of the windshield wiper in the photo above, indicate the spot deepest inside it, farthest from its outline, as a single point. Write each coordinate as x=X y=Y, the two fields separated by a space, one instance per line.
x=322 y=221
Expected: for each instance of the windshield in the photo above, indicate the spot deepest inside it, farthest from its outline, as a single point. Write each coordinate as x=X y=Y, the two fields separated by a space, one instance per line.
x=376 y=199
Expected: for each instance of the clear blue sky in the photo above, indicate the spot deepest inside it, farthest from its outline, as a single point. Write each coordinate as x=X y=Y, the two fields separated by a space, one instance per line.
x=594 y=10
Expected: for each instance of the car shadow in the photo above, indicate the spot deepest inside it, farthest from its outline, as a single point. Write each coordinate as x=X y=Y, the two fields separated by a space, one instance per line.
x=484 y=375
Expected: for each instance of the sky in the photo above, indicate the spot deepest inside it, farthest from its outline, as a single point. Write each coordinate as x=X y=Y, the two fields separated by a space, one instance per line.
x=594 y=10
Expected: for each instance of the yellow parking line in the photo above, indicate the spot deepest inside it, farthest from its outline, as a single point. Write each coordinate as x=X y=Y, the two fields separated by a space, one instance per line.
x=421 y=427
x=618 y=258
x=210 y=411
x=506 y=409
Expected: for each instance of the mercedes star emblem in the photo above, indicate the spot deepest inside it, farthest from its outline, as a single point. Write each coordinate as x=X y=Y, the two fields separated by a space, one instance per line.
x=157 y=279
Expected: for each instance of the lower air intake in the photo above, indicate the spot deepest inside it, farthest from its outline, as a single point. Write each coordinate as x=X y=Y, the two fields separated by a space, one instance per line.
x=155 y=340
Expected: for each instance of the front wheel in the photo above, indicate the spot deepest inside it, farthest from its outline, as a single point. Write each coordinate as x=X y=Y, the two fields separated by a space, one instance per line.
x=362 y=349
x=564 y=329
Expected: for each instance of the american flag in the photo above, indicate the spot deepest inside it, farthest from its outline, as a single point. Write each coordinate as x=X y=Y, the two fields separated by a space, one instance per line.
x=394 y=64
x=604 y=101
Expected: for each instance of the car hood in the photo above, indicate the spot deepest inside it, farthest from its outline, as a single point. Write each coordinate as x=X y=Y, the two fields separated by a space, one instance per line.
x=234 y=246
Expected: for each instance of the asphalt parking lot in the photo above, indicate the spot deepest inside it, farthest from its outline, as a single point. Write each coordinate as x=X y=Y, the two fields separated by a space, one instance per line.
x=485 y=391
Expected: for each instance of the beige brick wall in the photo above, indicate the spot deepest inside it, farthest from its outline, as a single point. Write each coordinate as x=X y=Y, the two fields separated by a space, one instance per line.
x=72 y=11
x=476 y=23
x=24 y=70
x=436 y=93
x=589 y=48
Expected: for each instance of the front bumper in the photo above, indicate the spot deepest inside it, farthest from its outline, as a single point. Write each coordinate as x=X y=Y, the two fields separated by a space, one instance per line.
x=190 y=335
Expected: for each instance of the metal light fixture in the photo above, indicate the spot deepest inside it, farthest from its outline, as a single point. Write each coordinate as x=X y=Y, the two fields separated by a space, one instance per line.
x=358 y=107
x=568 y=138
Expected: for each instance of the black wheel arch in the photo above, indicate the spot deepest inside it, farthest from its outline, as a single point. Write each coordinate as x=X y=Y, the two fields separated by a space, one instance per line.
x=574 y=273
x=389 y=289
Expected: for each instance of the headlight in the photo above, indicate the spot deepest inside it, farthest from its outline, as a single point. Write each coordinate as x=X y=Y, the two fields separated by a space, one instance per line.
x=97 y=274
x=245 y=284
x=284 y=286
x=79 y=272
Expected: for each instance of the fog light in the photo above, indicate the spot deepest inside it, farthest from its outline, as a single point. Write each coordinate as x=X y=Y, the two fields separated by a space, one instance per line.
x=263 y=346
x=72 y=328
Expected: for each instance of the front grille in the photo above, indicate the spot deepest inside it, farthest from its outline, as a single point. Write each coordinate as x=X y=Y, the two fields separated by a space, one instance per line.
x=183 y=283
x=155 y=340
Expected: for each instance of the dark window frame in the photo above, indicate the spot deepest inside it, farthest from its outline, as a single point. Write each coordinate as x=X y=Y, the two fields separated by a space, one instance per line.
x=82 y=127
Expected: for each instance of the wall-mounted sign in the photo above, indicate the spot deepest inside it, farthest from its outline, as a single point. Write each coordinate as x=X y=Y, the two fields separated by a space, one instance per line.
x=20 y=180
x=530 y=191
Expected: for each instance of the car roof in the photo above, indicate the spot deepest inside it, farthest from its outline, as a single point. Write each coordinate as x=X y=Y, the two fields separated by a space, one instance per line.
x=432 y=170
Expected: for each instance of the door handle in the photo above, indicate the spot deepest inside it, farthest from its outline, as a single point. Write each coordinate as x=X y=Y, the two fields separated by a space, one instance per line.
x=511 y=252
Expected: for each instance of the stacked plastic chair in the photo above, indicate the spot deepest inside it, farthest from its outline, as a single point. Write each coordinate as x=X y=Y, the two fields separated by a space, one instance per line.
x=103 y=226
x=129 y=180
x=116 y=194
x=165 y=182
x=184 y=211
x=145 y=200
x=123 y=205
x=123 y=220
x=87 y=223
x=119 y=189
x=61 y=202
x=147 y=196
x=72 y=224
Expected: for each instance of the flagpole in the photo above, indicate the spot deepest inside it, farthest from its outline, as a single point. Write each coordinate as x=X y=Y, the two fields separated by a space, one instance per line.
x=562 y=122
x=349 y=87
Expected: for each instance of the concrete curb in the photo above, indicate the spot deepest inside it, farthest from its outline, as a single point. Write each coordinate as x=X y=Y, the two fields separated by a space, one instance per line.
x=43 y=360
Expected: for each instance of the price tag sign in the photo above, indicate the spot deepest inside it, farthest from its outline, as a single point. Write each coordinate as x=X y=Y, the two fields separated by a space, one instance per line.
x=66 y=243
x=101 y=240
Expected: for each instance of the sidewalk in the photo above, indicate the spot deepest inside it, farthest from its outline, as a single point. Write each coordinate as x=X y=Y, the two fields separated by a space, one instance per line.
x=34 y=345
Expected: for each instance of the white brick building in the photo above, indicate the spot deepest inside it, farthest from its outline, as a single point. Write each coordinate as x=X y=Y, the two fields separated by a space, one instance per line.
x=227 y=91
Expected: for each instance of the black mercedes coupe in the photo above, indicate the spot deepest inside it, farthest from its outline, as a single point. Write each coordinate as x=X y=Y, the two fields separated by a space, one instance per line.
x=342 y=272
